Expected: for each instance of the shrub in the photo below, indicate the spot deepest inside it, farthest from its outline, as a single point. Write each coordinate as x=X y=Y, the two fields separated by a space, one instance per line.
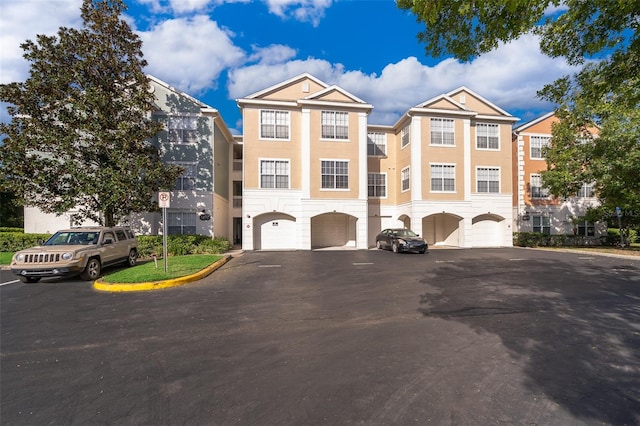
x=6 y=229
x=536 y=239
x=179 y=245
x=613 y=237
x=14 y=241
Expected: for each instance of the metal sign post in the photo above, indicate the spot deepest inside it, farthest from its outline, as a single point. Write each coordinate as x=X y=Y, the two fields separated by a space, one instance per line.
x=164 y=202
x=619 y=214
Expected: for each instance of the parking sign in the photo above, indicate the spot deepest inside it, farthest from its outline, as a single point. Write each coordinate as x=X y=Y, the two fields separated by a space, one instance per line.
x=164 y=200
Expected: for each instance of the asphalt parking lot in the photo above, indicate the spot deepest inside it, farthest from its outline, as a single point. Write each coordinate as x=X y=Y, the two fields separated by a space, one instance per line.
x=454 y=337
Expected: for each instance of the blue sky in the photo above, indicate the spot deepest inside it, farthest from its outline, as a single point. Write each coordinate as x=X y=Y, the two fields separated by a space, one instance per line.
x=219 y=51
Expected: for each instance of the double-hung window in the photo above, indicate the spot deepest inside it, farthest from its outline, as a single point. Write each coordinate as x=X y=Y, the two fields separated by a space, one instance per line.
x=443 y=177
x=335 y=174
x=442 y=132
x=335 y=125
x=376 y=144
x=405 y=135
x=182 y=129
x=274 y=124
x=586 y=191
x=541 y=224
x=405 y=177
x=274 y=174
x=187 y=180
x=538 y=144
x=487 y=136
x=488 y=179
x=181 y=223
x=537 y=191
x=377 y=185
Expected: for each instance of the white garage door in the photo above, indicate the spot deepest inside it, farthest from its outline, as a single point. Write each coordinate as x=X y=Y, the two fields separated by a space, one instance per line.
x=277 y=233
x=329 y=230
x=486 y=233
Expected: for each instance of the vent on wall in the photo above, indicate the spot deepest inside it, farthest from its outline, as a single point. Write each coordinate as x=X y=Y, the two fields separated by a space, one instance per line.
x=463 y=99
x=305 y=87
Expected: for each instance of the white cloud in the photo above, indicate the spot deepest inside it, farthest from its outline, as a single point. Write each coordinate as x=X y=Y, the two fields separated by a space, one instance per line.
x=24 y=19
x=186 y=6
x=509 y=77
x=274 y=54
x=190 y=53
x=301 y=10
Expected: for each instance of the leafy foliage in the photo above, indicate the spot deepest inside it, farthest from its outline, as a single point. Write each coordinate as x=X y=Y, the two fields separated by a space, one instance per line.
x=81 y=122
x=604 y=93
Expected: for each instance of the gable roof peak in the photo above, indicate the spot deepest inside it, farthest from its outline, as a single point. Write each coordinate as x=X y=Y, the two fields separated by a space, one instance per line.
x=292 y=80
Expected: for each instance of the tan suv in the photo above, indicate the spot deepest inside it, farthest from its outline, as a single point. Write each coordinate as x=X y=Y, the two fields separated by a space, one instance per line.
x=76 y=251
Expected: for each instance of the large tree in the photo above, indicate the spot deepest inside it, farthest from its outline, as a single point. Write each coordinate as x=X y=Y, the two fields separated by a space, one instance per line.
x=81 y=122
x=600 y=35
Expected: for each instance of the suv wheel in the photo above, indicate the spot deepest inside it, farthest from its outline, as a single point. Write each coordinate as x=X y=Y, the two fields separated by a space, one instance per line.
x=92 y=271
x=132 y=258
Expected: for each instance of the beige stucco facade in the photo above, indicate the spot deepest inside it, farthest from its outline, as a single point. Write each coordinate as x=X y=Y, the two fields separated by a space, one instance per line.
x=393 y=186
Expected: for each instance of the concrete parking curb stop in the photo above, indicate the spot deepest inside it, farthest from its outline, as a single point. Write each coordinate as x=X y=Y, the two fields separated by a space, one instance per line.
x=100 y=285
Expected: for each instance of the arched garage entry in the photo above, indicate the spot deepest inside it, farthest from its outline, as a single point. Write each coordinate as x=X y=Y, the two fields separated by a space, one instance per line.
x=274 y=231
x=333 y=230
x=406 y=221
x=487 y=230
x=442 y=229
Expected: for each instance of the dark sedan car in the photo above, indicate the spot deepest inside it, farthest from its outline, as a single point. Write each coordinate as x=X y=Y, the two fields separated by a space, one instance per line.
x=401 y=240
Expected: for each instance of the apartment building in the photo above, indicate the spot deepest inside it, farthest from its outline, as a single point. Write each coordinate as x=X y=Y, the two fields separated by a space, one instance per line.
x=317 y=174
x=196 y=137
x=534 y=209
x=305 y=167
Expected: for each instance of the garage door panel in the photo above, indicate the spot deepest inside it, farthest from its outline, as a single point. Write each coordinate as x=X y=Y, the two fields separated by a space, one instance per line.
x=486 y=233
x=276 y=232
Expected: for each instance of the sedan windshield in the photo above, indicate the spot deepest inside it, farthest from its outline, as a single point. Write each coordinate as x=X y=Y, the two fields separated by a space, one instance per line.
x=405 y=233
x=73 y=238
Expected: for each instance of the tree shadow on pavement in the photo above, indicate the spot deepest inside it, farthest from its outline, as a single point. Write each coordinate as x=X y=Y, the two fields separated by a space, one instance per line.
x=576 y=326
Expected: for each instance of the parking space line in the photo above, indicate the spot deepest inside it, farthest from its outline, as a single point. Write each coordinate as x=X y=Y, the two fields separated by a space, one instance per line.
x=362 y=263
x=9 y=282
x=445 y=261
x=516 y=260
x=269 y=266
x=586 y=258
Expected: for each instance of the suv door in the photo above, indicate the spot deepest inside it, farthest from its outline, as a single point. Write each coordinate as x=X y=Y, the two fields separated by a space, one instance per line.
x=122 y=245
x=109 y=249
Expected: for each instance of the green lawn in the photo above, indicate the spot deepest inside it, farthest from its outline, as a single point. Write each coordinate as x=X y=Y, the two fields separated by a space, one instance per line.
x=5 y=258
x=177 y=266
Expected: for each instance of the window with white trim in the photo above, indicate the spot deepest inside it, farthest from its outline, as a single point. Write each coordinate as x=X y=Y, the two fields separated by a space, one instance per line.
x=335 y=125
x=443 y=177
x=537 y=191
x=335 y=174
x=538 y=143
x=274 y=174
x=442 y=131
x=541 y=224
x=182 y=129
x=187 y=180
x=488 y=179
x=274 y=124
x=487 y=136
x=376 y=143
x=377 y=185
x=404 y=179
x=181 y=223
x=405 y=135
x=586 y=229
x=586 y=191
